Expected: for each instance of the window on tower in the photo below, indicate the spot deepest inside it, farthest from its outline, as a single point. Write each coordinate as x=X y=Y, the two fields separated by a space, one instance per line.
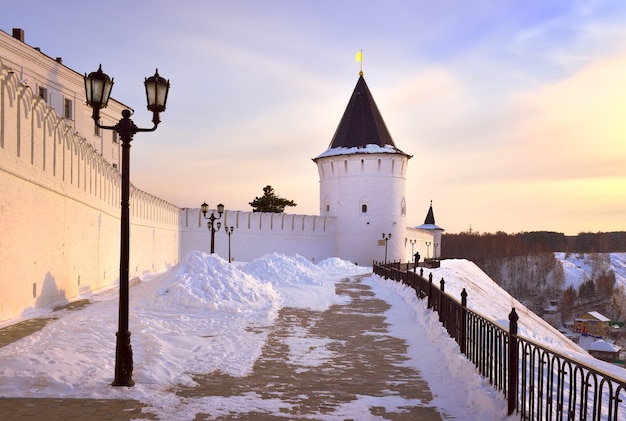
x=363 y=208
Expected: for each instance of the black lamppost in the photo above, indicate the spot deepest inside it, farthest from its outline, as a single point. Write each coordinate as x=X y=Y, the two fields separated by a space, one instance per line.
x=211 y=224
x=412 y=244
x=97 y=89
x=229 y=232
x=428 y=243
x=386 y=238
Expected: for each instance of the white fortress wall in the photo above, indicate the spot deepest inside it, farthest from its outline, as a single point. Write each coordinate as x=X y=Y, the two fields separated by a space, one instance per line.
x=60 y=208
x=424 y=242
x=256 y=234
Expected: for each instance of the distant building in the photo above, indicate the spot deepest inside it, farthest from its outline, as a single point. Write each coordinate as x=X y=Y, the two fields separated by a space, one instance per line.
x=552 y=307
x=605 y=351
x=592 y=323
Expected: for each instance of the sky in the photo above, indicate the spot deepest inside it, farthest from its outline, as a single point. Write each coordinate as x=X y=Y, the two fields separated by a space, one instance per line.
x=512 y=110
x=233 y=305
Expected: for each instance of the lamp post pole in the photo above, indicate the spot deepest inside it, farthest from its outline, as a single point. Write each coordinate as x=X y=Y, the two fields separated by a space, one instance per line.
x=386 y=238
x=211 y=224
x=97 y=89
x=229 y=232
x=413 y=241
x=428 y=243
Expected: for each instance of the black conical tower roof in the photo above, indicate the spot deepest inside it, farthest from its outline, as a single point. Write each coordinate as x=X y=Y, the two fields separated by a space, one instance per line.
x=429 y=222
x=361 y=126
x=362 y=123
x=430 y=217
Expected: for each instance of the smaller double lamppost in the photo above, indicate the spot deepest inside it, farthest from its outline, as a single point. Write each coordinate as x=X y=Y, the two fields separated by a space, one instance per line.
x=213 y=226
x=386 y=237
x=229 y=232
x=98 y=87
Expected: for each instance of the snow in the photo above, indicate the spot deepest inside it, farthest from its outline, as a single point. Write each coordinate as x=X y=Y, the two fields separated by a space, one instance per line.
x=369 y=148
x=602 y=345
x=578 y=268
x=207 y=315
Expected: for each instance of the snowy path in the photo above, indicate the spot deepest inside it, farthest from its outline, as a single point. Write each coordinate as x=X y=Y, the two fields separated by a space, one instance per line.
x=336 y=364
x=278 y=336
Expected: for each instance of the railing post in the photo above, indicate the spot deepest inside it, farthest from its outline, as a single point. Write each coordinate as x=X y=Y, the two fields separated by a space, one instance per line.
x=462 y=328
x=513 y=362
x=440 y=308
x=430 y=290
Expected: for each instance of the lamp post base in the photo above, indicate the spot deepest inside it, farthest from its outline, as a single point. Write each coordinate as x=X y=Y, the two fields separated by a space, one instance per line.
x=123 y=361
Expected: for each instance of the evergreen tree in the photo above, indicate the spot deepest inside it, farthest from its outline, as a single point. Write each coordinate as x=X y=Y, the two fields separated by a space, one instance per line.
x=269 y=202
x=605 y=283
x=567 y=303
x=587 y=290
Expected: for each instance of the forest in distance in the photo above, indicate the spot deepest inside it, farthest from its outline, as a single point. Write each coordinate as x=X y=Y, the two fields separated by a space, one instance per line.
x=479 y=247
x=525 y=265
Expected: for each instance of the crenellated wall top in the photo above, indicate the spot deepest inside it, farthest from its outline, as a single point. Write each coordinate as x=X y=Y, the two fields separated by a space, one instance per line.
x=261 y=221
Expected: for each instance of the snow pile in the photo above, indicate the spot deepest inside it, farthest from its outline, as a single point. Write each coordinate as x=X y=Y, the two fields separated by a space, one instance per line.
x=207 y=282
x=283 y=270
x=302 y=284
x=337 y=265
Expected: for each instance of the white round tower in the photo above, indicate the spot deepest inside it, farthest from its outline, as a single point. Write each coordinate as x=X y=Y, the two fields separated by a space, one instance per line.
x=363 y=183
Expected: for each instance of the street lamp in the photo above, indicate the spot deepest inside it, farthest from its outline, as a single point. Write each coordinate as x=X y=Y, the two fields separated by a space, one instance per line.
x=413 y=241
x=428 y=243
x=229 y=232
x=435 y=250
x=98 y=88
x=386 y=238
x=211 y=224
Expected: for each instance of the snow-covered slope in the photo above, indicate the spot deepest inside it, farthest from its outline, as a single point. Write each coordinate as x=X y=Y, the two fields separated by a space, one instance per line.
x=486 y=297
x=579 y=268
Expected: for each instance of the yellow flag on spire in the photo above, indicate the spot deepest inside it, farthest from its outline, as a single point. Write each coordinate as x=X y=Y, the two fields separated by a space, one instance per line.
x=359 y=56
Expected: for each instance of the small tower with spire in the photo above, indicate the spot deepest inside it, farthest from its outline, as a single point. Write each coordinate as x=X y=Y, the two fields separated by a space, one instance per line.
x=436 y=232
x=363 y=183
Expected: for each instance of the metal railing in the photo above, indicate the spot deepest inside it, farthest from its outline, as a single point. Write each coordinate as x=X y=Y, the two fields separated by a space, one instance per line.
x=538 y=383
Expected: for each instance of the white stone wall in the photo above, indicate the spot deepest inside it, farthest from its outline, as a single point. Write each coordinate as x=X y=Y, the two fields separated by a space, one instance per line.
x=60 y=208
x=426 y=242
x=256 y=234
x=27 y=72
